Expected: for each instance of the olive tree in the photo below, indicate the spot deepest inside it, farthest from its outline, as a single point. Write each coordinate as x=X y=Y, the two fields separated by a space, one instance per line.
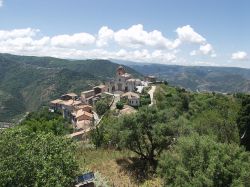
x=145 y=133
x=36 y=159
x=200 y=161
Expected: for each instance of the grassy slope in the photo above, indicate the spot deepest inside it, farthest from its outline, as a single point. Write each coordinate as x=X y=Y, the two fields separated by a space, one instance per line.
x=113 y=165
x=26 y=83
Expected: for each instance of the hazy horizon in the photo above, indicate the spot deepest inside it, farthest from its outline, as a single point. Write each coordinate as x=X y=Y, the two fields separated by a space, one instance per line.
x=165 y=32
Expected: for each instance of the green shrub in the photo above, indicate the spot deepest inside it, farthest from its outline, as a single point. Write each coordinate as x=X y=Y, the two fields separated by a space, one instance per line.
x=119 y=105
x=200 y=161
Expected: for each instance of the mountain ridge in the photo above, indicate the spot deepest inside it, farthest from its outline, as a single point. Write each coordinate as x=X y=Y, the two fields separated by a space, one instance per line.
x=202 y=78
x=28 y=82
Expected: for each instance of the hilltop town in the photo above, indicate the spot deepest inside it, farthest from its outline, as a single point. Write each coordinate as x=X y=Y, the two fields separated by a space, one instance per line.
x=123 y=88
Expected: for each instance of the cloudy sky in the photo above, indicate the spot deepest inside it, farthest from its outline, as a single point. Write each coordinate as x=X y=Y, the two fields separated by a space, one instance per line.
x=193 y=32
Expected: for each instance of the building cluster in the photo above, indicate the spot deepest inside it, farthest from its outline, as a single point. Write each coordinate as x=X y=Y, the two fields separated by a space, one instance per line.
x=126 y=85
x=79 y=109
x=123 y=82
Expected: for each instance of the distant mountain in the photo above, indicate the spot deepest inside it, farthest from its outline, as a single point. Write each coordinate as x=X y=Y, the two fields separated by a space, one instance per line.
x=27 y=83
x=220 y=79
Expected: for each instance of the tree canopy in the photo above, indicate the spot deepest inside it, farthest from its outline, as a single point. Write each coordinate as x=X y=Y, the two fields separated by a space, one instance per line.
x=31 y=158
x=244 y=122
x=45 y=121
x=200 y=161
x=119 y=105
x=143 y=133
x=101 y=106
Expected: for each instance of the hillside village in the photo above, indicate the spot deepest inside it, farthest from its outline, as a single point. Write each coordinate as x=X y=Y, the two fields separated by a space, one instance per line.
x=79 y=110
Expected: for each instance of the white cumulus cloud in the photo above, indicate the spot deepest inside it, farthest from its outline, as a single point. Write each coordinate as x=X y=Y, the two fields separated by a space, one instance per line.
x=75 y=40
x=136 y=37
x=206 y=49
x=187 y=34
x=17 y=33
x=1 y=3
x=240 y=55
x=133 y=44
x=104 y=36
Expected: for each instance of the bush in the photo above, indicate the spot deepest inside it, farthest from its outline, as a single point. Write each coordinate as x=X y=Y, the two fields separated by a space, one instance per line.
x=243 y=122
x=200 y=161
x=144 y=133
x=101 y=106
x=119 y=105
x=36 y=159
x=45 y=121
x=145 y=99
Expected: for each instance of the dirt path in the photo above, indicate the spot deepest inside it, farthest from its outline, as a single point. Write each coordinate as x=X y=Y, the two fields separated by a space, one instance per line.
x=116 y=99
x=151 y=93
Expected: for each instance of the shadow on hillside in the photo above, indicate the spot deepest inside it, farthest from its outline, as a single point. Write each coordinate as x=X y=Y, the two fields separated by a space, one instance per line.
x=138 y=170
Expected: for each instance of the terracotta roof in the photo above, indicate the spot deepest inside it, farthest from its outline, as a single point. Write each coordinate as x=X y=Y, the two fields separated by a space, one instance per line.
x=71 y=102
x=82 y=106
x=131 y=95
x=127 y=110
x=80 y=112
x=70 y=94
x=57 y=101
x=88 y=91
x=83 y=124
x=100 y=86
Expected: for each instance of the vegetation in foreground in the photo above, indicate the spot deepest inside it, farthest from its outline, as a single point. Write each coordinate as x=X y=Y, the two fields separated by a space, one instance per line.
x=31 y=158
x=186 y=139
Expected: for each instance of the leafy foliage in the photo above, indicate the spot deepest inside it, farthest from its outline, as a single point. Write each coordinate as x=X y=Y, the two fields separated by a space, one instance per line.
x=105 y=134
x=145 y=99
x=119 y=105
x=36 y=159
x=45 y=121
x=143 y=133
x=244 y=122
x=200 y=161
x=101 y=106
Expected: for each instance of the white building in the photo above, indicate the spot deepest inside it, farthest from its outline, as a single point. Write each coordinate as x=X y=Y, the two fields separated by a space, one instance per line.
x=133 y=99
x=123 y=82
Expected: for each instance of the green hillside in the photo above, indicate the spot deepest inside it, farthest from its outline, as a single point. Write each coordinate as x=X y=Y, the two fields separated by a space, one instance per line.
x=27 y=83
x=219 y=79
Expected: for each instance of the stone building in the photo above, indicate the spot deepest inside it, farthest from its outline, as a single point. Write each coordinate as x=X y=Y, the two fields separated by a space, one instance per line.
x=123 y=82
x=132 y=99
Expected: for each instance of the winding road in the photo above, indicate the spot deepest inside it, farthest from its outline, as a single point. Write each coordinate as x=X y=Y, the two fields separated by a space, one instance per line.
x=116 y=99
x=151 y=93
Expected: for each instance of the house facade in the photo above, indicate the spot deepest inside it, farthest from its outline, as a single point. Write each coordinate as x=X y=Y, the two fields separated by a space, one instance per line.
x=122 y=82
x=132 y=99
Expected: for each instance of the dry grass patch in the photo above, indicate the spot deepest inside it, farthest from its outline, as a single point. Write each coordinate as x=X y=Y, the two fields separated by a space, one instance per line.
x=118 y=167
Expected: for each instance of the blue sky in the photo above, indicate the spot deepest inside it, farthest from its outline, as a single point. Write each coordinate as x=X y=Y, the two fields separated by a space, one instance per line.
x=193 y=32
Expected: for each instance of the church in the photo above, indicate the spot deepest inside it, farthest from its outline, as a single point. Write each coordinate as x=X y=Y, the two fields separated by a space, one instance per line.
x=123 y=82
